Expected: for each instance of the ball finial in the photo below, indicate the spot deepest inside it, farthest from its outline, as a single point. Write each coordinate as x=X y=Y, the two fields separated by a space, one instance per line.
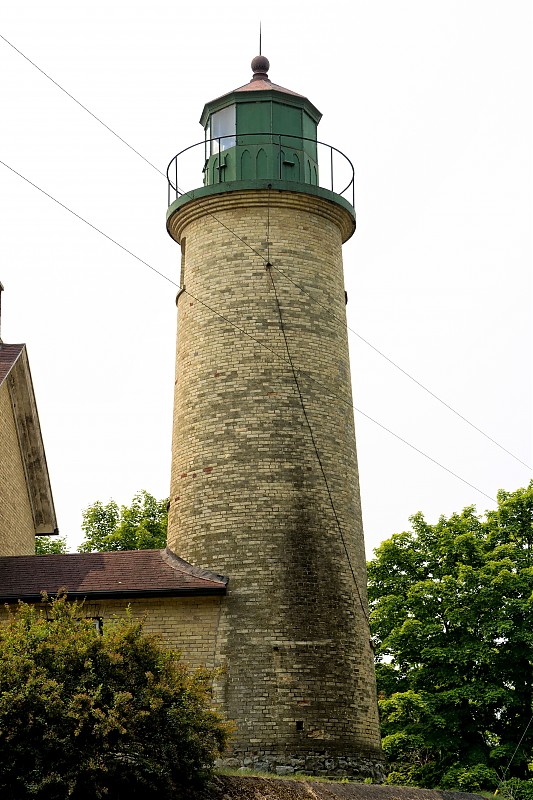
x=260 y=67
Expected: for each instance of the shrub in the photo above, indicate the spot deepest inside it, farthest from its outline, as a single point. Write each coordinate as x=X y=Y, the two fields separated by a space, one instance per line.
x=84 y=715
x=515 y=789
x=473 y=778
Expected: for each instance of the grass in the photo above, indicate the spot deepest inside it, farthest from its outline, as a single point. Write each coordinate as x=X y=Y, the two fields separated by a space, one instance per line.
x=294 y=776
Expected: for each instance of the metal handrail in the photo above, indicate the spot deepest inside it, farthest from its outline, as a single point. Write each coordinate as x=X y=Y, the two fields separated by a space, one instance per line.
x=269 y=137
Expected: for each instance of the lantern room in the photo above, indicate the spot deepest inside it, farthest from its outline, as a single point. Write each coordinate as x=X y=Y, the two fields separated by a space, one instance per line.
x=260 y=130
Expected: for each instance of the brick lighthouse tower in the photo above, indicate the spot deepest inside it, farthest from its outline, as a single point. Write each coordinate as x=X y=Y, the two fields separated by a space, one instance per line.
x=264 y=484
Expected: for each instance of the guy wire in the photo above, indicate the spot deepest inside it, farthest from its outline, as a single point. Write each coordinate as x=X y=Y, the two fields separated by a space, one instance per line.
x=249 y=335
x=188 y=194
x=313 y=440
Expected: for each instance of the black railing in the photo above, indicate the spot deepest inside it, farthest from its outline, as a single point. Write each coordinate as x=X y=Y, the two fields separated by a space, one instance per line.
x=335 y=170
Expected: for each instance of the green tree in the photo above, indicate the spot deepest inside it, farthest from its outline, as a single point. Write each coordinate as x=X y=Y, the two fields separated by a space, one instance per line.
x=140 y=526
x=49 y=545
x=86 y=716
x=452 y=619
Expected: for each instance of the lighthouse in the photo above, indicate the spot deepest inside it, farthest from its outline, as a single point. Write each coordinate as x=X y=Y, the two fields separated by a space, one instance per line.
x=264 y=478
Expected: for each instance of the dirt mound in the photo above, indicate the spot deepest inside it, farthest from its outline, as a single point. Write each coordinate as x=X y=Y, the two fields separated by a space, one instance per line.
x=248 y=788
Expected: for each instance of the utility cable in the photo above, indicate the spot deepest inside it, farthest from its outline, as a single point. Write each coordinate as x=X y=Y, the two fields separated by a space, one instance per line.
x=314 y=299
x=398 y=367
x=268 y=264
x=338 y=397
x=315 y=446
x=107 y=127
x=306 y=416
x=46 y=75
x=241 y=330
x=515 y=752
x=82 y=219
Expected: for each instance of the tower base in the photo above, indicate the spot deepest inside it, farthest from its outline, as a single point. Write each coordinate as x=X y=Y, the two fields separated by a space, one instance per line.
x=321 y=764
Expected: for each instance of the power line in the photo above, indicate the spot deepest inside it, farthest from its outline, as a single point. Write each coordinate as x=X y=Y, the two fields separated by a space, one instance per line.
x=247 y=244
x=515 y=752
x=82 y=219
x=237 y=327
x=46 y=75
x=308 y=423
x=107 y=127
x=338 y=397
x=398 y=367
x=315 y=447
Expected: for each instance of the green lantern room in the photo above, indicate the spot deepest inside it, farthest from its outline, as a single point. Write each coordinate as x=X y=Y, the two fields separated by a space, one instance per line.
x=260 y=130
x=260 y=136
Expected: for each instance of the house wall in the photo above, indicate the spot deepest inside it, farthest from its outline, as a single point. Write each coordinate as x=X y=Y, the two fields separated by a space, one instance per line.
x=17 y=531
x=188 y=624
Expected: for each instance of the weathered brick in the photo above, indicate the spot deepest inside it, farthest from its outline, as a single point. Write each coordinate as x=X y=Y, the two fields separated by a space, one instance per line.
x=293 y=630
x=17 y=529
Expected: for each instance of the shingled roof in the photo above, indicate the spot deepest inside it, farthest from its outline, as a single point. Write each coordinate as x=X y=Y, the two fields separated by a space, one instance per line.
x=8 y=356
x=129 y=573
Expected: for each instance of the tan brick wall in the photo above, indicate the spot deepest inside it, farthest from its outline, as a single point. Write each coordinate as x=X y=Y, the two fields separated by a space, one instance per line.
x=248 y=497
x=188 y=624
x=17 y=532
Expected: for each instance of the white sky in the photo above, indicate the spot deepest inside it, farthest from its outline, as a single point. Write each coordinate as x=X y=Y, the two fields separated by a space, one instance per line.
x=433 y=103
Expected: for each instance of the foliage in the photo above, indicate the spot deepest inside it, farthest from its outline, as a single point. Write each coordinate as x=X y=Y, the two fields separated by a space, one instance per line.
x=85 y=715
x=471 y=779
x=452 y=619
x=50 y=545
x=140 y=526
x=515 y=789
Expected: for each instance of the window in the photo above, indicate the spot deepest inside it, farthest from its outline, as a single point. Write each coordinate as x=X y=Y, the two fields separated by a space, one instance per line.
x=222 y=128
x=98 y=624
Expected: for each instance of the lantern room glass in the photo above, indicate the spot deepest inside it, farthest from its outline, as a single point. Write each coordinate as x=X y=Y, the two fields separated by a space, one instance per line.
x=221 y=129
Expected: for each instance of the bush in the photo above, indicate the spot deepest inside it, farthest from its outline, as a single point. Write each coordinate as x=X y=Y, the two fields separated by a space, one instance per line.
x=84 y=715
x=515 y=789
x=474 y=778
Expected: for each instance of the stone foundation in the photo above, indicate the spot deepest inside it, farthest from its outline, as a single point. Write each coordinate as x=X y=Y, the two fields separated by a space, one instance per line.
x=318 y=764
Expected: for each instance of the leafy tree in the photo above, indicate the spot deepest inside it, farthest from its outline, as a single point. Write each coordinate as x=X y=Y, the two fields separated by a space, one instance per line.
x=49 y=545
x=86 y=716
x=452 y=618
x=140 y=526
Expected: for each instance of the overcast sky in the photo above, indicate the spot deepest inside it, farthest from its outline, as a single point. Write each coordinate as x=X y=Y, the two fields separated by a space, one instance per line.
x=431 y=100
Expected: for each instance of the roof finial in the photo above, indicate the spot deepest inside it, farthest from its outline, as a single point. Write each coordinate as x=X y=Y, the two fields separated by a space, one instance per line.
x=260 y=64
x=260 y=67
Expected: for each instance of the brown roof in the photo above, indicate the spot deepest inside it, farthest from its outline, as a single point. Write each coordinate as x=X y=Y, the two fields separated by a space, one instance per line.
x=129 y=573
x=263 y=85
x=8 y=355
x=260 y=82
